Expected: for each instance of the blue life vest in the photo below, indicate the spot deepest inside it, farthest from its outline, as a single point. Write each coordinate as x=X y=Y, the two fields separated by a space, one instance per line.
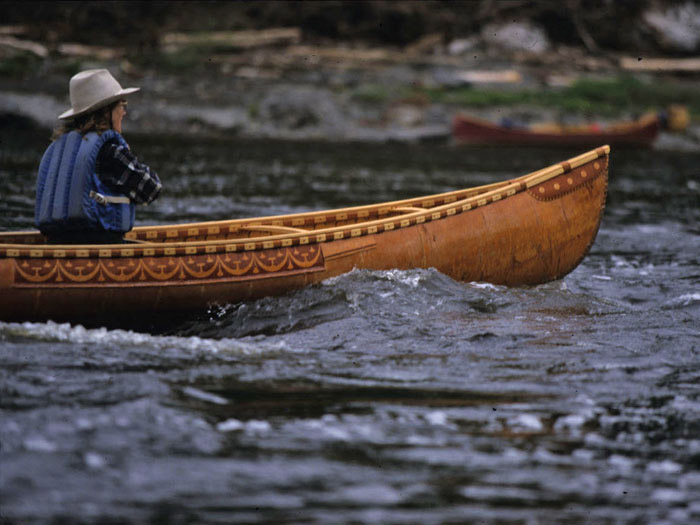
x=66 y=179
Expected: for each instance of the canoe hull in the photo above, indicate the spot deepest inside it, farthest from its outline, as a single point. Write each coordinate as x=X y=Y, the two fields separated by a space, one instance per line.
x=513 y=236
x=472 y=131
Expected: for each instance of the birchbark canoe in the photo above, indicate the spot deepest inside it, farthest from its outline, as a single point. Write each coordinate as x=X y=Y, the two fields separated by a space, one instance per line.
x=523 y=231
x=640 y=133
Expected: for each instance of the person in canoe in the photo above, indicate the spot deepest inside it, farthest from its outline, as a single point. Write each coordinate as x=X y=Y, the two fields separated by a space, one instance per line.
x=89 y=180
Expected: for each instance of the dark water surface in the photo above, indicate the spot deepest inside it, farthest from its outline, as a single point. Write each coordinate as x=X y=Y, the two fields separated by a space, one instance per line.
x=376 y=397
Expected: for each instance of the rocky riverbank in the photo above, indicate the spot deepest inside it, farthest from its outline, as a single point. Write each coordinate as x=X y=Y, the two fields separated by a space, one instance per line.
x=283 y=83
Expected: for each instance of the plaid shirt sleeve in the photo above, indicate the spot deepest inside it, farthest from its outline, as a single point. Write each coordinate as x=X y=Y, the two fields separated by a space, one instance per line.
x=120 y=170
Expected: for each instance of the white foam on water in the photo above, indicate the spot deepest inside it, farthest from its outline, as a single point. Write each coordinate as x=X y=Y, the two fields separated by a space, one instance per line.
x=230 y=425
x=437 y=418
x=39 y=444
x=688 y=299
x=65 y=332
x=372 y=494
x=621 y=463
x=664 y=467
x=253 y=427
x=411 y=278
x=572 y=423
x=94 y=461
x=484 y=286
x=528 y=422
x=201 y=395
x=683 y=404
x=668 y=495
x=654 y=229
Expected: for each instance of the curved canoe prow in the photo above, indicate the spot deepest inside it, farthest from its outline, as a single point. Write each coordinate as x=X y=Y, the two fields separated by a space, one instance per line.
x=524 y=231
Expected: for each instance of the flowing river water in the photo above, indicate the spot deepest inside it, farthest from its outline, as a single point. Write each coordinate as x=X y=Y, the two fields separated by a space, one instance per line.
x=395 y=397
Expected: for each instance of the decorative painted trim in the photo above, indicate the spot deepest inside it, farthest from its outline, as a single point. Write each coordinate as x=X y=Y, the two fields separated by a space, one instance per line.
x=568 y=181
x=146 y=271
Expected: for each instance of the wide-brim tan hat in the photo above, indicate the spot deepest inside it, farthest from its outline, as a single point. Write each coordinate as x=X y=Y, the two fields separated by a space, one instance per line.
x=91 y=90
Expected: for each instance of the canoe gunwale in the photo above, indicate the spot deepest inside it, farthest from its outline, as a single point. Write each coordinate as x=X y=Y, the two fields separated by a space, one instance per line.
x=452 y=205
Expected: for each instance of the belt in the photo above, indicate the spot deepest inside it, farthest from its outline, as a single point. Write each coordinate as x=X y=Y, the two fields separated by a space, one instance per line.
x=108 y=199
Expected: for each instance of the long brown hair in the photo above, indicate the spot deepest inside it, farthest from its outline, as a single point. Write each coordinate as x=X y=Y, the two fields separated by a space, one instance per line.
x=98 y=121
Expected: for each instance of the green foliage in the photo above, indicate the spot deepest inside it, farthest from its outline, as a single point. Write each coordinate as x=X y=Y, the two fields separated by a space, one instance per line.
x=182 y=61
x=69 y=66
x=19 y=64
x=253 y=111
x=373 y=93
x=608 y=97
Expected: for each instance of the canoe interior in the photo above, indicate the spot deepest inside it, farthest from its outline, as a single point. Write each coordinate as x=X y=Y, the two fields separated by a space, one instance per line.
x=263 y=227
x=260 y=229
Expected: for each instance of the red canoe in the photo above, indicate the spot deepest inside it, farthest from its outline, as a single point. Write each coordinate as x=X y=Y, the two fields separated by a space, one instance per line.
x=639 y=133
